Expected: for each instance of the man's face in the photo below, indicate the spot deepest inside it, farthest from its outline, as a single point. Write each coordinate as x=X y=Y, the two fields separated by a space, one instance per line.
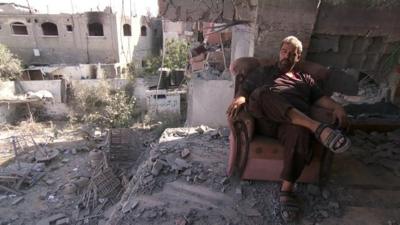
x=288 y=57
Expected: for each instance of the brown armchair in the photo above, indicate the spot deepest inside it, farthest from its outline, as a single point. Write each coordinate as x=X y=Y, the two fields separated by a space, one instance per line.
x=258 y=157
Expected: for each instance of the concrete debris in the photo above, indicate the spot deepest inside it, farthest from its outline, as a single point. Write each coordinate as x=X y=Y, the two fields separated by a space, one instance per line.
x=157 y=167
x=313 y=189
x=225 y=181
x=334 y=205
x=18 y=200
x=64 y=221
x=70 y=189
x=201 y=129
x=250 y=211
x=181 y=164
x=181 y=221
x=43 y=196
x=187 y=172
x=50 y=182
x=2 y=197
x=325 y=194
x=238 y=191
x=129 y=205
x=39 y=167
x=185 y=153
x=74 y=151
x=46 y=155
x=51 y=220
x=392 y=222
x=377 y=148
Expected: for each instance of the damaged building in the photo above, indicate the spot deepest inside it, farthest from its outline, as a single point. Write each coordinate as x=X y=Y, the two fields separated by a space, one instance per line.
x=78 y=41
x=62 y=50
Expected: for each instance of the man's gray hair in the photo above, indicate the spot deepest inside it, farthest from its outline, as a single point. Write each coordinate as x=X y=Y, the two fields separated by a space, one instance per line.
x=293 y=41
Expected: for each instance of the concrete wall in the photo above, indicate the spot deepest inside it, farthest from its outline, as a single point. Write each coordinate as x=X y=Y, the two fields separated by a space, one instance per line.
x=140 y=88
x=342 y=38
x=67 y=47
x=84 y=71
x=243 y=39
x=207 y=10
x=7 y=89
x=142 y=44
x=208 y=101
x=163 y=102
x=55 y=87
x=278 y=19
x=7 y=113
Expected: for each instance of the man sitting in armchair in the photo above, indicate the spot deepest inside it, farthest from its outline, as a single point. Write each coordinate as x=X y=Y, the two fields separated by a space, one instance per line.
x=280 y=97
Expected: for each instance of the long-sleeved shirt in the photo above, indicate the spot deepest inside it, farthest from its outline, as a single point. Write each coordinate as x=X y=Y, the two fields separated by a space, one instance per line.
x=301 y=91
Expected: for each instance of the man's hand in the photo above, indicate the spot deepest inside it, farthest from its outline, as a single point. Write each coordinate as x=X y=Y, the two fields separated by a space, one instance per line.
x=339 y=114
x=235 y=107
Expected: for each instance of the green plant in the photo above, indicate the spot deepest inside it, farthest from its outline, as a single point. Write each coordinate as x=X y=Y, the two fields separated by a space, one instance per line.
x=10 y=66
x=176 y=54
x=102 y=106
x=152 y=64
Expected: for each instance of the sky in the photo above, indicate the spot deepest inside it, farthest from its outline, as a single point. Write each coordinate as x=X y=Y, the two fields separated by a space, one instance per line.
x=68 y=6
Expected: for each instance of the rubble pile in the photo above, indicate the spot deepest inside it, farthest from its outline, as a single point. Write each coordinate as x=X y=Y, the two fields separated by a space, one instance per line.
x=320 y=202
x=72 y=183
x=183 y=179
x=378 y=148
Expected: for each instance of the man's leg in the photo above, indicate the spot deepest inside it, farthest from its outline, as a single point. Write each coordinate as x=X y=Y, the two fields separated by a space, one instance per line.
x=264 y=103
x=296 y=142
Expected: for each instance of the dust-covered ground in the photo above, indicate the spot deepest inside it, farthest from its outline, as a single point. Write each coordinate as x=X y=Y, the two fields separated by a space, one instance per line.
x=180 y=179
x=53 y=189
x=183 y=181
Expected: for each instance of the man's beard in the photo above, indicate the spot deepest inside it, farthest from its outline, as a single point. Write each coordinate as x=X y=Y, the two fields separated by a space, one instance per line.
x=285 y=65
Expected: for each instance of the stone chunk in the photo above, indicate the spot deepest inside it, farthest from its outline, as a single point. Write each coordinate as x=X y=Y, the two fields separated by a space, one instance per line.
x=157 y=167
x=51 y=219
x=2 y=197
x=181 y=221
x=325 y=194
x=18 y=200
x=313 y=189
x=334 y=205
x=187 y=172
x=129 y=205
x=185 y=153
x=201 y=129
x=181 y=164
x=64 y=221
x=225 y=181
x=39 y=167
x=251 y=212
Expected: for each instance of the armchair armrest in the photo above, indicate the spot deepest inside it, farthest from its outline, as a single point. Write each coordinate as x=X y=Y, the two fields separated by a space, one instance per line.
x=242 y=130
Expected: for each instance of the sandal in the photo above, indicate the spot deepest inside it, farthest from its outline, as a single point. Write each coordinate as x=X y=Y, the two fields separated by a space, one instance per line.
x=332 y=141
x=289 y=206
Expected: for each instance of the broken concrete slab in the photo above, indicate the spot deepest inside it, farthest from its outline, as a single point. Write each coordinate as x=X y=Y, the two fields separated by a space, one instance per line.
x=129 y=205
x=181 y=164
x=64 y=221
x=185 y=153
x=51 y=219
x=17 y=200
x=157 y=167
